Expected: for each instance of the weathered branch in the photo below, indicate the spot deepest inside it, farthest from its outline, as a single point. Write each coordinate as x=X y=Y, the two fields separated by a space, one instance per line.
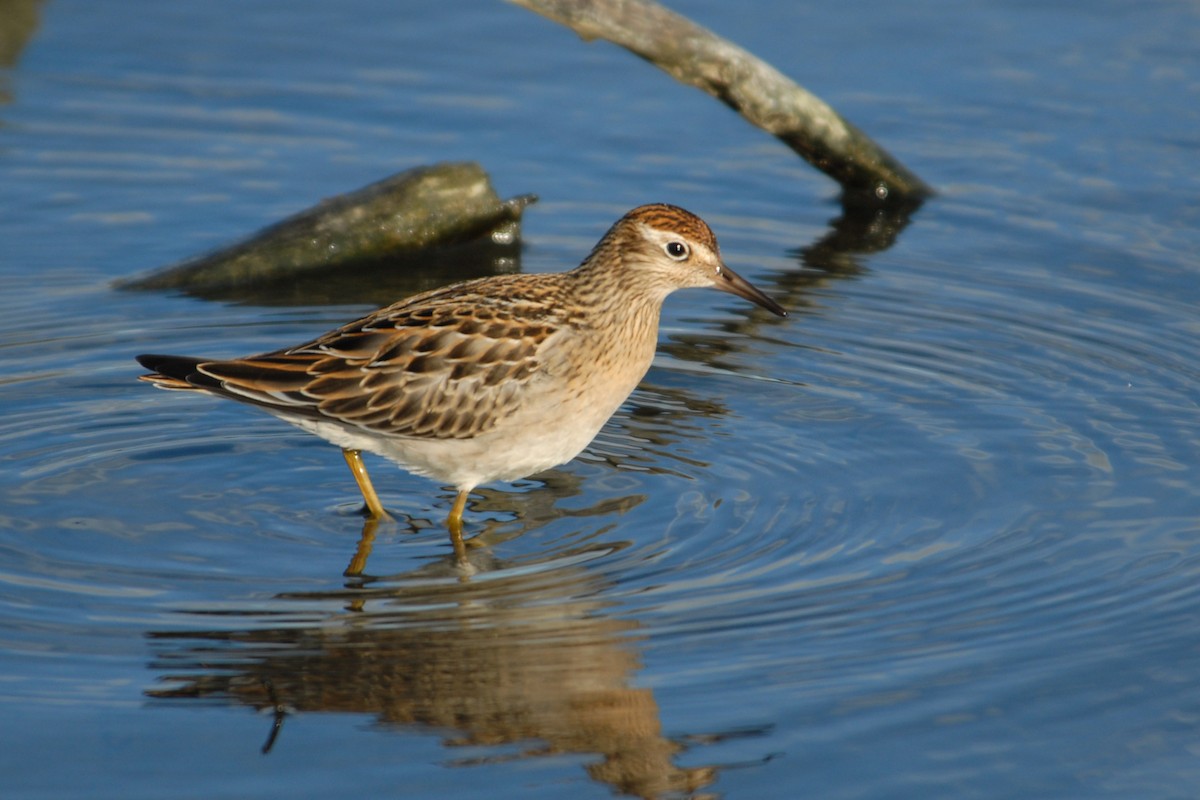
x=760 y=93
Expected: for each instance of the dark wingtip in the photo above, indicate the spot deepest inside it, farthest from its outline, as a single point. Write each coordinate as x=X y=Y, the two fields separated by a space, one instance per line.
x=172 y=366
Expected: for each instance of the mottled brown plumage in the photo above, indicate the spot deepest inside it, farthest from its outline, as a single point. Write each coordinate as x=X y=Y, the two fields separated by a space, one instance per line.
x=491 y=379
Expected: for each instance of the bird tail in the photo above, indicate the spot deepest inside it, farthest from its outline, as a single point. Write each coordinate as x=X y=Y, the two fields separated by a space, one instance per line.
x=176 y=372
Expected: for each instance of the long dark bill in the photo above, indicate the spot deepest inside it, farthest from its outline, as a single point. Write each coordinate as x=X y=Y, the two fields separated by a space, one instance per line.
x=730 y=281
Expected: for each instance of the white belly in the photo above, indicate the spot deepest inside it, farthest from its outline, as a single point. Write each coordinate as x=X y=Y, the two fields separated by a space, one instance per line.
x=550 y=428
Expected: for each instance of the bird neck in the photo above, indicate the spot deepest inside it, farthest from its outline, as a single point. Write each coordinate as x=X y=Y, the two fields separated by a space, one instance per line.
x=607 y=281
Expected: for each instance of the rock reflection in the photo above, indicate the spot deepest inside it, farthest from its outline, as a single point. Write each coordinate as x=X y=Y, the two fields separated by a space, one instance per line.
x=509 y=657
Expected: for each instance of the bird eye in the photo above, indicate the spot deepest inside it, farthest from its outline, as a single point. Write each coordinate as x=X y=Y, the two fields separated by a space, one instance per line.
x=676 y=250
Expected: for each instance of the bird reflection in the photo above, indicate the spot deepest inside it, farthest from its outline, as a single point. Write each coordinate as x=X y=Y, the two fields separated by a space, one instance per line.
x=532 y=657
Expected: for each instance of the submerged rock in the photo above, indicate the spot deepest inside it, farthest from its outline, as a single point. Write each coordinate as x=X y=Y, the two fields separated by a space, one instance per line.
x=421 y=209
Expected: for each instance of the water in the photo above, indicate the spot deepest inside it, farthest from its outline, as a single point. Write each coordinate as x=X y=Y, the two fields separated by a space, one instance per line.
x=933 y=535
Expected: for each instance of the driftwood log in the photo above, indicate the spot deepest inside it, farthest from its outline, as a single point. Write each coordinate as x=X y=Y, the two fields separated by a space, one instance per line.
x=759 y=92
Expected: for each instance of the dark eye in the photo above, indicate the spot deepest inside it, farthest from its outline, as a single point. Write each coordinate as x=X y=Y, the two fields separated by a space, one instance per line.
x=677 y=250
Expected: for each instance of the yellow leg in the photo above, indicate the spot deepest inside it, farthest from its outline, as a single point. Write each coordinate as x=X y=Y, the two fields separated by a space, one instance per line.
x=359 y=469
x=460 y=503
x=454 y=523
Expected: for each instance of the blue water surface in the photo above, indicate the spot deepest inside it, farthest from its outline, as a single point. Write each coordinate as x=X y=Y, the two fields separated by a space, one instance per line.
x=936 y=534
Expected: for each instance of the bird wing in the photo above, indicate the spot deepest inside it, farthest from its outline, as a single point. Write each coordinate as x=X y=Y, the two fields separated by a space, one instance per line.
x=447 y=364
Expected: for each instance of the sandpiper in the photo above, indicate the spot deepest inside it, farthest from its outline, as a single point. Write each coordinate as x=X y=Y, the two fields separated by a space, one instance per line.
x=488 y=380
